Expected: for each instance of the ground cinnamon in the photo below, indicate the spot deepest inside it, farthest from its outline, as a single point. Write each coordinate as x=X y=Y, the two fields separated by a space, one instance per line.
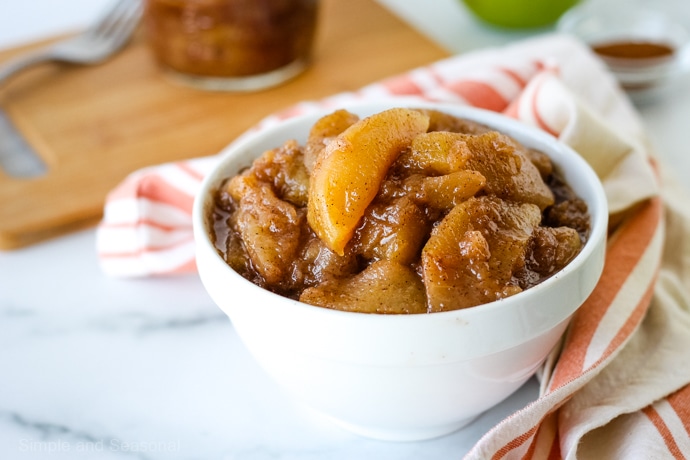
x=634 y=50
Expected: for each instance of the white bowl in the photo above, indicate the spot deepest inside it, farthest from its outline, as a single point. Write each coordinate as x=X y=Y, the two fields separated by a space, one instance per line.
x=403 y=377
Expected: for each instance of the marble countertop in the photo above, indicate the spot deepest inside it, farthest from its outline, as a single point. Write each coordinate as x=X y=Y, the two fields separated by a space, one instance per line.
x=98 y=368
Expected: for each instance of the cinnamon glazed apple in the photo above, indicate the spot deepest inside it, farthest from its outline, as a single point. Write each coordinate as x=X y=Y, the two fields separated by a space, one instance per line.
x=404 y=211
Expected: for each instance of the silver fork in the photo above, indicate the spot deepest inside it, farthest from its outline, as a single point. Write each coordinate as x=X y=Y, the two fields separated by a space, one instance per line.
x=92 y=46
x=107 y=35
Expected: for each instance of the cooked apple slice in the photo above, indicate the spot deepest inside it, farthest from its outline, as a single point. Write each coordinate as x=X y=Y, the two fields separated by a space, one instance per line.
x=349 y=170
x=324 y=130
x=473 y=253
x=508 y=171
x=441 y=121
x=383 y=287
x=445 y=192
x=270 y=227
x=392 y=231
x=437 y=152
x=552 y=249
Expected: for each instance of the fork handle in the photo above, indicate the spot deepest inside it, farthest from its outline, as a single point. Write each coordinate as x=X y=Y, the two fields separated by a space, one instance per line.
x=22 y=62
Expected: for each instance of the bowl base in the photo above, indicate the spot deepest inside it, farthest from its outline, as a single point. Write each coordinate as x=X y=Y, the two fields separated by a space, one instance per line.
x=403 y=434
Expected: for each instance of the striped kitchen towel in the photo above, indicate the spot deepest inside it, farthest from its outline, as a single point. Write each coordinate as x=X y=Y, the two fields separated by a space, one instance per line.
x=618 y=387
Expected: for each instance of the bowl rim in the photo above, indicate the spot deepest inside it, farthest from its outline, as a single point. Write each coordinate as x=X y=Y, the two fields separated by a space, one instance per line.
x=537 y=138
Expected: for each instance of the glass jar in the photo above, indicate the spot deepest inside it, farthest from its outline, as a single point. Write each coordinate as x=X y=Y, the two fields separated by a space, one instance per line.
x=234 y=45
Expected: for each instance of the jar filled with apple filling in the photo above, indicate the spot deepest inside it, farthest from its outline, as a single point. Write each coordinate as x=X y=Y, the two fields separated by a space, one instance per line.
x=235 y=45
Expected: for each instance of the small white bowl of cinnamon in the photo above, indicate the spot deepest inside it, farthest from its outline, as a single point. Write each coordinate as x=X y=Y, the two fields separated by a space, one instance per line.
x=645 y=49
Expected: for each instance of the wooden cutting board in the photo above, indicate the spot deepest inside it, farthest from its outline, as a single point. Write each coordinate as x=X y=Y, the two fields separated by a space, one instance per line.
x=94 y=125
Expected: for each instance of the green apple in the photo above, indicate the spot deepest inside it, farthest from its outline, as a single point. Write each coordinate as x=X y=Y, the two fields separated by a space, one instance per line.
x=519 y=13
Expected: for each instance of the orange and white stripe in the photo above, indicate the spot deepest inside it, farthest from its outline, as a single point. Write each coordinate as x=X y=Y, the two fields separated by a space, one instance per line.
x=670 y=426
x=146 y=227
